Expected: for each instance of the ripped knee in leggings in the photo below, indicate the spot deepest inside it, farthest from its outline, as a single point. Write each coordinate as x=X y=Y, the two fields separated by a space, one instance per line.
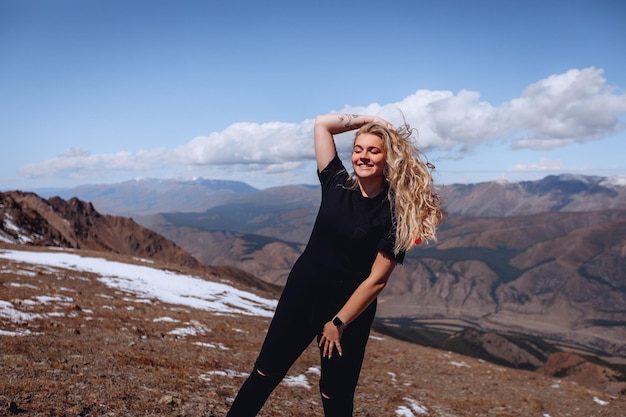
x=337 y=404
x=269 y=375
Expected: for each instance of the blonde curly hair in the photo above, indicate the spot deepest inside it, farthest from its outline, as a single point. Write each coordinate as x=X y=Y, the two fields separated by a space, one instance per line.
x=415 y=203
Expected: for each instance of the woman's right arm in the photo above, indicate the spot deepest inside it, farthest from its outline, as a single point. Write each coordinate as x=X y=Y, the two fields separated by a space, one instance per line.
x=328 y=125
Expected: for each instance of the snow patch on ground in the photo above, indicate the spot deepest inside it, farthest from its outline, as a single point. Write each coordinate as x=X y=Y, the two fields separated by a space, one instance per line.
x=152 y=283
x=411 y=408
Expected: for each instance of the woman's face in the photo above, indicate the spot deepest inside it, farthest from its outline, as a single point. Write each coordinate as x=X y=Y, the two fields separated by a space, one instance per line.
x=368 y=156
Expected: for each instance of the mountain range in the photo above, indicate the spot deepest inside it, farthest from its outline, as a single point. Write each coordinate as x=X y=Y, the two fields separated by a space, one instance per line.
x=565 y=192
x=515 y=264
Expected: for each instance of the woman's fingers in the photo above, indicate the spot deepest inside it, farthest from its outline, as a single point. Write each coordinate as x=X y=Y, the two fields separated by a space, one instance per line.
x=328 y=347
x=330 y=340
x=385 y=123
x=338 y=347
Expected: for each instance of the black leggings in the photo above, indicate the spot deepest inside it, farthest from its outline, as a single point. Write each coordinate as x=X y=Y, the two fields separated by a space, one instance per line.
x=299 y=318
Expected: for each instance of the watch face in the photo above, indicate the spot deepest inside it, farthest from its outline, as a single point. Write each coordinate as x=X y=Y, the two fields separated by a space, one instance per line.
x=337 y=322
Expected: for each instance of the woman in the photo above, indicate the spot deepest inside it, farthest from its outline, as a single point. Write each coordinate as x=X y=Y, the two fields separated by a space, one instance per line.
x=364 y=226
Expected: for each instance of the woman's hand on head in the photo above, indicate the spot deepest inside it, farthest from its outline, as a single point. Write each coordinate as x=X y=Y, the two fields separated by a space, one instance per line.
x=384 y=123
x=330 y=340
x=327 y=125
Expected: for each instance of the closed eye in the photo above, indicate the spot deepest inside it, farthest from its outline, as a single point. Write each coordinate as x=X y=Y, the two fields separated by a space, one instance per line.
x=371 y=149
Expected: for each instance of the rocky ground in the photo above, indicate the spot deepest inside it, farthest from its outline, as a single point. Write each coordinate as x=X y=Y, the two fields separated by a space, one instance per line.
x=98 y=351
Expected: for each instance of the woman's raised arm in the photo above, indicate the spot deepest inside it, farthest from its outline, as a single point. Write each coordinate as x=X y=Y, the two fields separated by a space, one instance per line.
x=328 y=125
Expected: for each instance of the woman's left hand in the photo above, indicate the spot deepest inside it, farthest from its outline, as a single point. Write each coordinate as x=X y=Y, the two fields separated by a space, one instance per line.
x=330 y=340
x=385 y=123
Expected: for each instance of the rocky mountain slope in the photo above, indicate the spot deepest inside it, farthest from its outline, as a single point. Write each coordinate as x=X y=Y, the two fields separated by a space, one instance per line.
x=26 y=218
x=78 y=342
x=560 y=276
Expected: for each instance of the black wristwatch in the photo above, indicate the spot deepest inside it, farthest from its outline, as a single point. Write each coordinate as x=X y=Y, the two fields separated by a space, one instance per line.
x=338 y=323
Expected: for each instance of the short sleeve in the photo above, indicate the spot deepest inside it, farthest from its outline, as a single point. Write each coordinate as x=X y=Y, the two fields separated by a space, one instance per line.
x=386 y=245
x=334 y=173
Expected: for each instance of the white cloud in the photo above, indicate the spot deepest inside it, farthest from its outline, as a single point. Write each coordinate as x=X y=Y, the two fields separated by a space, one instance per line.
x=546 y=164
x=574 y=107
x=80 y=163
x=251 y=143
x=445 y=120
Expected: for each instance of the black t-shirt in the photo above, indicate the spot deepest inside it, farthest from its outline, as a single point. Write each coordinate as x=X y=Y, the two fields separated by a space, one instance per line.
x=349 y=231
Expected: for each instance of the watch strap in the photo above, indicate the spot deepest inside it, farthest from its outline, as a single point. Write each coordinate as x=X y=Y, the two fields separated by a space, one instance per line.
x=338 y=323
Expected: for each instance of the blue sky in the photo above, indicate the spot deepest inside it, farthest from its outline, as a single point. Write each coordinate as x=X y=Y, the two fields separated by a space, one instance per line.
x=100 y=91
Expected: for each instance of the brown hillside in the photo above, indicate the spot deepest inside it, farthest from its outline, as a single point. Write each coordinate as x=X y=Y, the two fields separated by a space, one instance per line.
x=269 y=259
x=556 y=275
x=76 y=224
x=94 y=351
